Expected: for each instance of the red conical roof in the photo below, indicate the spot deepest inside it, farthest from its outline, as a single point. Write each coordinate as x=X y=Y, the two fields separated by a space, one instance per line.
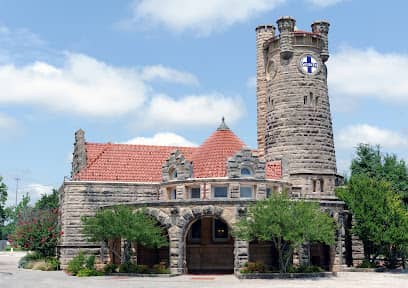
x=210 y=159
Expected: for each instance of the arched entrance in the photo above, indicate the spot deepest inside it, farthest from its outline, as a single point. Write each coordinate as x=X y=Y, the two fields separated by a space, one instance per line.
x=320 y=255
x=209 y=246
x=264 y=252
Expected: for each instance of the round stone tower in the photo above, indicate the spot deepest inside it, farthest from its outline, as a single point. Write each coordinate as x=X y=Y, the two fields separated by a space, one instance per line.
x=298 y=122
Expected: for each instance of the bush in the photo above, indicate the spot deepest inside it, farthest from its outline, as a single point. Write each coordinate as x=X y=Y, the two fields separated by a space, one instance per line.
x=367 y=264
x=160 y=269
x=76 y=264
x=86 y=272
x=110 y=268
x=129 y=267
x=254 y=267
x=306 y=269
x=25 y=261
x=90 y=262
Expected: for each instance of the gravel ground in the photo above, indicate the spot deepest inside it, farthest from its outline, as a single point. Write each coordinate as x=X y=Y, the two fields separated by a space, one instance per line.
x=11 y=276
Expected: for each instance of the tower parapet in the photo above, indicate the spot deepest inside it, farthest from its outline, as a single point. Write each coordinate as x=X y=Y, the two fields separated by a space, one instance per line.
x=322 y=27
x=286 y=26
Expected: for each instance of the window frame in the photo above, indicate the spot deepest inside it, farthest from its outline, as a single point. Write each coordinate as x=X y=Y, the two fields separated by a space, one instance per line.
x=216 y=239
x=251 y=173
x=191 y=193
x=246 y=186
x=219 y=186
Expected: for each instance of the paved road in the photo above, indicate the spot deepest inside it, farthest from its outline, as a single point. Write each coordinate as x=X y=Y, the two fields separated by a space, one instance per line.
x=12 y=277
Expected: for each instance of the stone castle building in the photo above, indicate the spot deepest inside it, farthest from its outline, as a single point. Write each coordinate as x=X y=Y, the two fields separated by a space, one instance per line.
x=198 y=193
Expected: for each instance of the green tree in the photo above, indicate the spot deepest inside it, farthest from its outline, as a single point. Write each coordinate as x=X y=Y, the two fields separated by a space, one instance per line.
x=371 y=162
x=3 y=214
x=22 y=211
x=381 y=220
x=122 y=222
x=50 y=201
x=288 y=223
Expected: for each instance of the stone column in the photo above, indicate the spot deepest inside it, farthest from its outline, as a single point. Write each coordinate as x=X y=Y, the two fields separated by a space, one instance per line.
x=338 y=250
x=176 y=250
x=241 y=254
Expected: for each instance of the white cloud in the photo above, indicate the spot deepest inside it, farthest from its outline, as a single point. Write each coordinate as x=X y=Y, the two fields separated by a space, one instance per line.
x=353 y=135
x=151 y=73
x=34 y=191
x=324 y=3
x=199 y=16
x=162 y=139
x=83 y=85
x=355 y=74
x=193 y=110
x=7 y=123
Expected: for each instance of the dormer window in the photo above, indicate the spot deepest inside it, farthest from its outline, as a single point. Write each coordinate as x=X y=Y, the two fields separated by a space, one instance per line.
x=246 y=172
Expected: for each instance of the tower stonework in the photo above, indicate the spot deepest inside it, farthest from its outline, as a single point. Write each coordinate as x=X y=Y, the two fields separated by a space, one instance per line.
x=298 y=121
x=263 y=33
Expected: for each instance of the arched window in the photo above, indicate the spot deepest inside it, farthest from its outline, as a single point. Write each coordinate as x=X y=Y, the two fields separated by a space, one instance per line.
x=173 y=174
x=246 y=172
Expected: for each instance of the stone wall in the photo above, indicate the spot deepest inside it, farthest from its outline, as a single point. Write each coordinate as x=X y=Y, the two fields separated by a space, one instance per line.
x=79 y=198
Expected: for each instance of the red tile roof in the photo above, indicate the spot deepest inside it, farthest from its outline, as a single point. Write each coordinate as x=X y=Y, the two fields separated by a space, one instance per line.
x=143 y=163
x=127 y=163
x=210 y=159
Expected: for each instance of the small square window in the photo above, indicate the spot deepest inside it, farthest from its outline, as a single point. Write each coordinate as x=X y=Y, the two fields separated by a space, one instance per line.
x=220 y=230
x=195 y=193
x=220 y=192
x=245 y=192
x=173 y=194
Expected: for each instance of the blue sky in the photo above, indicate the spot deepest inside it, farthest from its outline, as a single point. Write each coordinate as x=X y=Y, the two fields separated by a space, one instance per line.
x=166 y=71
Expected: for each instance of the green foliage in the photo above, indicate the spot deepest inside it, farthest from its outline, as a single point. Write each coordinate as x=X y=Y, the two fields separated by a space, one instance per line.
x=288 y=223
x=13 y=214
x=90 y=262
x=371 y=162
x=37 y=230
x=86 y=272
x=306 y=269
x=129 y=267
x=29 y=257
x=160 y=269
x=77 y=263
x=3 y=214
x=253 y=267
x=36 y=261
x=381 y=220
x=110 y=268
x=48 y=201
x=367 y=264
x=122 y=222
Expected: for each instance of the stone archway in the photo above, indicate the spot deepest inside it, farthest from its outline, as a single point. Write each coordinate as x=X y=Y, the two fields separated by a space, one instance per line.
x=204 y=239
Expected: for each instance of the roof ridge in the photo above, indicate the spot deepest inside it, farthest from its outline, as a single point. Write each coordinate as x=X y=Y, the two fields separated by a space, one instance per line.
x=142 y=145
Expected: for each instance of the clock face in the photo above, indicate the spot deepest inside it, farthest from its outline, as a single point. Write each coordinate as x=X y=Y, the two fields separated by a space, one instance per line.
x=308 y=64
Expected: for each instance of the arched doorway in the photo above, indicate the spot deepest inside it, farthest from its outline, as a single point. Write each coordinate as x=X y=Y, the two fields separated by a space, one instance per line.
x=320 y=255
x=209 y=246
x=264 y=252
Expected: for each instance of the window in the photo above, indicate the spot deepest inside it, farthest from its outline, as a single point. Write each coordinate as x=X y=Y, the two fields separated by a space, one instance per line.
x=195 y=193
x=173 y=174
x=321 y=185
x=246 y=171
x=195 y=232
x=173 y=194
x=220 y=192
x=311 y=98
x=314 y=185
x=220 y=230
x=317 y=100
x=305 y=100
x=268 y=192
x=245 y=192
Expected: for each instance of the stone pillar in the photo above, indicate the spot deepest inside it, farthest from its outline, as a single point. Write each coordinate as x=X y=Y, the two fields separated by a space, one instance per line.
x=338 y=250
x=180 y=192
x=234 y=191
x=301 y=255
x=79 y=155
x=260 y=191
x=176 y=250
x=263 y=33
x=286 y=26
x=241 y=254
x=322 y=27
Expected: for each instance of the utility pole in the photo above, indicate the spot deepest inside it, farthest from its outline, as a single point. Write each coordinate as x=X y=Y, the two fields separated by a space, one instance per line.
x=17 y=180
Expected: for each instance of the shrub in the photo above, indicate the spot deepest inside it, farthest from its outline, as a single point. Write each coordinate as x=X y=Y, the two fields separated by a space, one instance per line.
x=53 y=263
x=24 y=262
x=90 y=262
x=254 y=267
x=305 y=269
x=86 y=272
x=160 y=269
x=367 y=264
x=77 y=263
x=110 y=268
x=129 y=267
